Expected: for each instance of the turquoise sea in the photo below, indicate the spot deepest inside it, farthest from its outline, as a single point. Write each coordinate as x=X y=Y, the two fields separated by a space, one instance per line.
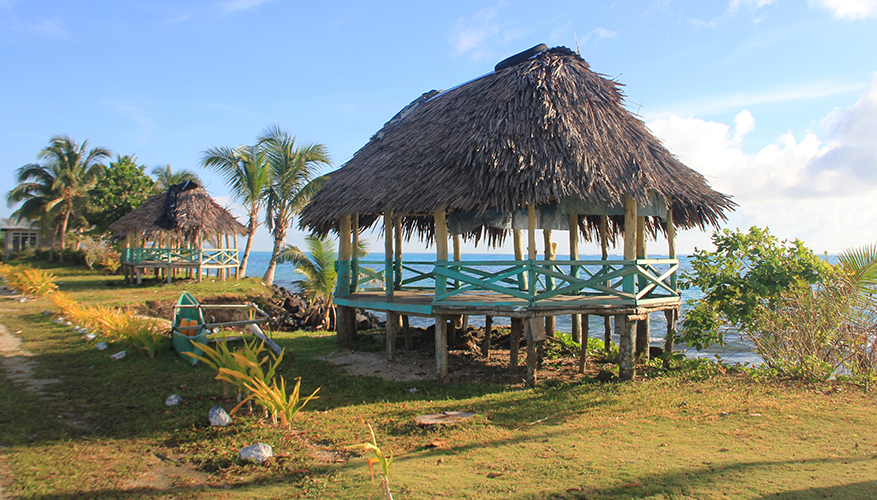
x=735 y=350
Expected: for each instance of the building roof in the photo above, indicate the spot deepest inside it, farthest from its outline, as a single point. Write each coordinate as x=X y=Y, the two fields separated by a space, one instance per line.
x=195 y=211
x=544 y=130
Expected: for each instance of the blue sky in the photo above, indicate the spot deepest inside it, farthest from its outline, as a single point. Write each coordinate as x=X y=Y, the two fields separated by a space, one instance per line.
x=774 y=101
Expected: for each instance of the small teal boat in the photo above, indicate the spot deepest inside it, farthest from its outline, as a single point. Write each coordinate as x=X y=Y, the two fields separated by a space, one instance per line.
x=189 y=318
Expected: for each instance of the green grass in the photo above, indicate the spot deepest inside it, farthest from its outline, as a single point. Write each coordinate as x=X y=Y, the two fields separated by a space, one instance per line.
x=668 y=437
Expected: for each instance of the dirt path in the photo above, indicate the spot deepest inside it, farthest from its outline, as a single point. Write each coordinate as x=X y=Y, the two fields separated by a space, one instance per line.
x=19 y=367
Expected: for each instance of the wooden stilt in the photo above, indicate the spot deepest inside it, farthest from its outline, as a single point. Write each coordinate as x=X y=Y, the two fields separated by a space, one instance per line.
x=532 y=353
x=607 y=333
x=452 y=331
x=441 y=348
x=392 y=329
x=517 y=332
x=485 y=344
x=671 y=315
x=583 y=355
x=406 y=331
x=576 y=320
x=626 y=359
x=344 y=325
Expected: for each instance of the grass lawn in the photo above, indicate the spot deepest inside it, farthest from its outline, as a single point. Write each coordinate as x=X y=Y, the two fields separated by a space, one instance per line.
x=102 y=429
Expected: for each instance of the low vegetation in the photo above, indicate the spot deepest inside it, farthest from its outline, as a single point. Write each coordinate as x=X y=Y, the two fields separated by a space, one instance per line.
x=805 y=317
x=99 y=428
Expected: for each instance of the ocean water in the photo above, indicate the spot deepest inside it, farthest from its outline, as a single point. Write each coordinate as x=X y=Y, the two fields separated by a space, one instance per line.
x=735 y=350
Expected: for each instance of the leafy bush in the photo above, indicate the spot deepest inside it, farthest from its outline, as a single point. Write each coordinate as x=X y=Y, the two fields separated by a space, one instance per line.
x=745 y=274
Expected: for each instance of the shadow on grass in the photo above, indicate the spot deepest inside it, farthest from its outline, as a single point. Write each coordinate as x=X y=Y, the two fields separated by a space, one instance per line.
x=694 y=482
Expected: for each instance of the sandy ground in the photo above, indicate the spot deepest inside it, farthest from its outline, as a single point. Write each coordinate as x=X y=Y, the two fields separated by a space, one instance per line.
x=406 y=367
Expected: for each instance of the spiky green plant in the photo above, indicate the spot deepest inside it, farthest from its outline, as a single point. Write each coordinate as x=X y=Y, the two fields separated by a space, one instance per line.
x=275 y=400
x=379 y=457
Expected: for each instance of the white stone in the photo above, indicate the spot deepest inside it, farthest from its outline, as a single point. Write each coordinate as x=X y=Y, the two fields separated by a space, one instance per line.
x=83 y=330
x=258 y=452
x=101 y=346
x=173 y=400
x=68 y=323
x=23 y=299
x=59 y=320
x=89 y=336
x=118 y=355
x=219 y=417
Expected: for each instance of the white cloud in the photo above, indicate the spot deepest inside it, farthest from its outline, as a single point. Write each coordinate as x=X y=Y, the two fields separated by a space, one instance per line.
x=472 y=34
x=709 y=104
x=49 y=27
x=752 y=4
x=230 y=6
x=818 y=189
x=849 y=9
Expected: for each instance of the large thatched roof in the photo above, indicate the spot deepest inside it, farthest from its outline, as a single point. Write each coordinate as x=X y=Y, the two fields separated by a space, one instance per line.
x=540 y=131
x=195 y=211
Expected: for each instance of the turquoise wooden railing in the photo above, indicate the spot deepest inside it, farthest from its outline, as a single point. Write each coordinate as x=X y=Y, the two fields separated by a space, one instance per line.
x=629 y=282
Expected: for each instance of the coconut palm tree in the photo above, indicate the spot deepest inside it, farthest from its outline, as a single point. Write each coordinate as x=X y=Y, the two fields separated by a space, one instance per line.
x=318 y=268
x=60 y=184
x=246 y=172
x=165 y=177
x=293 y=182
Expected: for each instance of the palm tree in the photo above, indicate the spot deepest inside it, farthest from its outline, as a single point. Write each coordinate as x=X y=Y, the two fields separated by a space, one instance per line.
x=165 y=177
x=59 y=186
x=292 y=184
x=246 y=173
x=859 y=267
x=318 y=268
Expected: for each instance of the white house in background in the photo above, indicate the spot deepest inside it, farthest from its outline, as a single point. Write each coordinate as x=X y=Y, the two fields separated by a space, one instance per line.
x=19 y=235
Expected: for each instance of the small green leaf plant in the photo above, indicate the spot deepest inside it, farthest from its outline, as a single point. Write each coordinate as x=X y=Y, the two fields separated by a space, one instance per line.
x=379 y=457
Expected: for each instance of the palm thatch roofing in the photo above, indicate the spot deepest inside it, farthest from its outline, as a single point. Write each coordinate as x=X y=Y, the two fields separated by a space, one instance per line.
x=543 y=130
x=195 y=211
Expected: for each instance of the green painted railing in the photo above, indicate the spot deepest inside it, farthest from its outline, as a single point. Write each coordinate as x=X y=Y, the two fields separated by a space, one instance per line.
x=627 y=282
x=205 y=257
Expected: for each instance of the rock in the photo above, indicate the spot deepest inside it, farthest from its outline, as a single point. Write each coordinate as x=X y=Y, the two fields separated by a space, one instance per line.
x=23 y=299
x=258 y=452
x=83 y=331
x=101 y=346
x=68 y=323
x=59 y=320
x=655 y=352
x=219 y=417
x=47 y=312
x=90 y=336
x=605 y=376
x=119 y=355
x=173 y=400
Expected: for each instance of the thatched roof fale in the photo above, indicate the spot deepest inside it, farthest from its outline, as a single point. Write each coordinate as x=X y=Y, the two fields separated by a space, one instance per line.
x=195 y=211
x=541 y=131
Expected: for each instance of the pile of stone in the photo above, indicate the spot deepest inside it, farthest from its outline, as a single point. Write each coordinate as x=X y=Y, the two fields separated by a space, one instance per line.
x=291 y=311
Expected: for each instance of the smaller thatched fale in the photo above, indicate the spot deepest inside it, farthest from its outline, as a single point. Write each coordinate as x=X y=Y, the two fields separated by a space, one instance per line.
x=196 y=214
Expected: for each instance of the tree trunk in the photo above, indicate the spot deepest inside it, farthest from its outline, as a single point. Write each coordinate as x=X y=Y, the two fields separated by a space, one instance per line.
x=63 y=233
x=279 y=236
x=251 y=232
